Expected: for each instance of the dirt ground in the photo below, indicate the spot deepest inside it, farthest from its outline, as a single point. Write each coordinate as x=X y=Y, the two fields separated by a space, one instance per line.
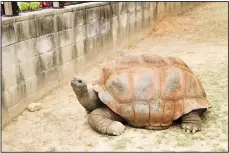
x=199 y=37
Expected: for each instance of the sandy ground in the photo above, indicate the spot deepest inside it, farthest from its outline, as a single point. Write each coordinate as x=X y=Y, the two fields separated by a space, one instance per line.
x=199 y=37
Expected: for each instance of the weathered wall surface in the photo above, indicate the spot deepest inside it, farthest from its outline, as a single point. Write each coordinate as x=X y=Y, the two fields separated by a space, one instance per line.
x=43 y=50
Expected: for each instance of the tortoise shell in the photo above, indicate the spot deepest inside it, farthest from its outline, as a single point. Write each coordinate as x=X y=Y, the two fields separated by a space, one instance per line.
x=149 y=90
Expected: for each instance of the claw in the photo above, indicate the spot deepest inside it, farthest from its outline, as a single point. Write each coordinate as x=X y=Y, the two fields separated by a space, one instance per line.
x=187 y=130
x=194 y=130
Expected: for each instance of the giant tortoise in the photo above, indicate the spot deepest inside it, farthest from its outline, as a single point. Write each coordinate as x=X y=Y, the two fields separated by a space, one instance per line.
x=144 y=91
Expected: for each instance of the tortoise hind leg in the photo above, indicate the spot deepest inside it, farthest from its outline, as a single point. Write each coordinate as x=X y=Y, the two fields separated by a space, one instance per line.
x=105 y=121
x=191 y=122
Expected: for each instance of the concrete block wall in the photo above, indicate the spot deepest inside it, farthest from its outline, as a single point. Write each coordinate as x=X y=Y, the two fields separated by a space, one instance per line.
x=44 y=50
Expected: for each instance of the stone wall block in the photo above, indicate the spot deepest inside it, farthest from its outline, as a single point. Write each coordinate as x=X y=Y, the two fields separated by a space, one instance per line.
x=80 y=48
x=63 y=21
x=26 y=29
x=48 y=60
x=132 y=31
x=93 y=29
x=123 y=20
x=10 y=97
x=97 y=44
x=177 y=6
x=67 y=53
x=65 y=37
x=9 y=78
x=115 y=22
x=46 y=43
x=105 y=12
x=8 y=34
x=45 y=25
x=9 y=57
x=89 y=46
x=131 y=7
x=121 y=36
x=106 y=41
x=161 y=11
x=41 y=80
x=122 y=7
x=138 y=15
x=31 y=85
x=138 y=27
x=80 y=33
x=131 y=18
x=114 y=37
x=93 y=14
x=14 y=95
x=147 y=5
x=29 y=67
x=114 y=7
x=105 y=25
x=168 y=8
x=79 y=18
x=146 y=18
x=153 y=12
x=27 y=49
x=53 y=75
x=139 y=6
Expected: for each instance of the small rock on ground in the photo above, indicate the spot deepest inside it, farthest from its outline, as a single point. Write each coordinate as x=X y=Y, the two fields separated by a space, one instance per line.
x=34 y=107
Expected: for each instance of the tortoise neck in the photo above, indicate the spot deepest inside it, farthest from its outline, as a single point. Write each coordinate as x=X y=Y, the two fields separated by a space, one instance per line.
x=84 y=99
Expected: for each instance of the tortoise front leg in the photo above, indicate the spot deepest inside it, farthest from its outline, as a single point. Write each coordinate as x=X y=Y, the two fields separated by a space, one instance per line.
x=105 y=121
x=191 y=122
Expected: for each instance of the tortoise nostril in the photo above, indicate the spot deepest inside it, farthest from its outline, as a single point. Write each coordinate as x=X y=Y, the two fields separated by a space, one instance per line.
x=80 y=81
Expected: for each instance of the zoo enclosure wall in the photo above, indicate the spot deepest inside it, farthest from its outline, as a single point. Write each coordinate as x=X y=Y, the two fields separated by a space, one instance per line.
x=41 y=51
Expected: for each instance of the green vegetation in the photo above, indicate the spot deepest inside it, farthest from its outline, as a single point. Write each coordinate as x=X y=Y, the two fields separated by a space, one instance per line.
x=29 y=6
x=34 y=6
x=24 y=6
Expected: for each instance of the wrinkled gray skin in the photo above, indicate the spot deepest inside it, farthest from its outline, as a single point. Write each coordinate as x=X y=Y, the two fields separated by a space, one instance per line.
x=105 y=121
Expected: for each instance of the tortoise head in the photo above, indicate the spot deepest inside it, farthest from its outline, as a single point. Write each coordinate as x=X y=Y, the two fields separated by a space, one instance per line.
x=79 y=86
